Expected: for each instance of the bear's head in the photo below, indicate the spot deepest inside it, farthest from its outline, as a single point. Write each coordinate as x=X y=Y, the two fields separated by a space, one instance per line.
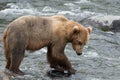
x=78 y=36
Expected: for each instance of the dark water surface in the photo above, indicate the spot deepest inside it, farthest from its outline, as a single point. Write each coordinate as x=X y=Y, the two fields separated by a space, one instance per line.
x=101 y=56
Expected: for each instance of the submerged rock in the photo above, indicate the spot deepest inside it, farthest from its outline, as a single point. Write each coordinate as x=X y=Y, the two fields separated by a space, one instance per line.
x=56 y=73
x=3 y=76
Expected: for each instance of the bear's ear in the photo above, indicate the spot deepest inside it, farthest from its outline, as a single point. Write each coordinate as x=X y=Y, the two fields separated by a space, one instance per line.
x=89 y=29
x=76 y=29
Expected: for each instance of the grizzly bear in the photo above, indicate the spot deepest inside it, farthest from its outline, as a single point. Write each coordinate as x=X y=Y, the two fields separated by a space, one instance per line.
x=35 y=32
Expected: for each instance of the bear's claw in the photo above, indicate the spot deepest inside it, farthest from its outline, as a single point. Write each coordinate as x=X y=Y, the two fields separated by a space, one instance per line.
x=72 y=71
x=14 y=73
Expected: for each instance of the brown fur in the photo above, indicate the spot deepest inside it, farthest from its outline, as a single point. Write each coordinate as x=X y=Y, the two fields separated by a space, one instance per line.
x=33 y=33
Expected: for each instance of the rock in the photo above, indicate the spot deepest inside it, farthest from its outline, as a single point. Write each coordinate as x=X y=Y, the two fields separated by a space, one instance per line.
x=116 y=25
x=56 y=73
x=105 y=23
x=3 y=76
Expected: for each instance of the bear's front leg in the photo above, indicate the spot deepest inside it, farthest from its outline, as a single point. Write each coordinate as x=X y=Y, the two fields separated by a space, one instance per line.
x=58 y=60
x=66 y=65
x=52 y=60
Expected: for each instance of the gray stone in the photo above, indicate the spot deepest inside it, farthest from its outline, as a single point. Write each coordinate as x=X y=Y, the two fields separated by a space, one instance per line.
x=106 y=23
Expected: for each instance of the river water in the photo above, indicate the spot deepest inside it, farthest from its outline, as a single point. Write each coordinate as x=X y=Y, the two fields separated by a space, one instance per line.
x=101 y=56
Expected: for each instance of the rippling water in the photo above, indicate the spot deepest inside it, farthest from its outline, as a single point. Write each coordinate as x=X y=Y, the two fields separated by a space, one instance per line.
x=77 y=9
x=101 y=57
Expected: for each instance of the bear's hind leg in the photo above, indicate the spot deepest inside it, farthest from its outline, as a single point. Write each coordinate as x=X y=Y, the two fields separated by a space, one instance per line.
x=17 y=57
x=7 y=53
x=8 y=59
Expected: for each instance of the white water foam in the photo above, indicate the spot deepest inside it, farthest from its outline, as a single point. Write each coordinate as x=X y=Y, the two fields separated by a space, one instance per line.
x=78 y=16
x=66 y=12
x=75 y=11
x=48 y=8
x=41 y=51
x=95 y=79
x=16 y=10
x=91 y=54
x=69 y=4
x=83 y=1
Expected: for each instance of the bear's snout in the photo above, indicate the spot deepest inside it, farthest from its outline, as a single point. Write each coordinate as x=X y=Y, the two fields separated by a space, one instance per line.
x=79 y=53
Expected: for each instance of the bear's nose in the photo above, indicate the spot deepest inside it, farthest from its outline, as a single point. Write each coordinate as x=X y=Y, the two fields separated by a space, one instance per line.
x=79 y=54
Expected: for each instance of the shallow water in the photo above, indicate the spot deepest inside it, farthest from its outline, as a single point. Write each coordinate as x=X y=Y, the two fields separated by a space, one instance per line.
x=101 y=56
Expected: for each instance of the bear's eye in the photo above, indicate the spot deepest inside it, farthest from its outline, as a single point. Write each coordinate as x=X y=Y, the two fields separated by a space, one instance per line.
x=79 y=42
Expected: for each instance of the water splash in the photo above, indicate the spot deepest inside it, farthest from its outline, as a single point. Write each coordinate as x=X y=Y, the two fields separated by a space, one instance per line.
x=83 y=1
x=91 y=54
x=48 y=8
